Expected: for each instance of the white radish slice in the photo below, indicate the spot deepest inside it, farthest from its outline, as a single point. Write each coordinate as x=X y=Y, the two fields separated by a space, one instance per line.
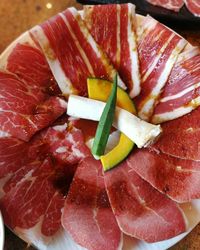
x=139 y=131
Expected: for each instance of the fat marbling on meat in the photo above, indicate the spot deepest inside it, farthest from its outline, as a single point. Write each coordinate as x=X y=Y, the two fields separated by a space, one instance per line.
x=71 y=52
x=181 y=93
x=158 y=49
x=114 y=29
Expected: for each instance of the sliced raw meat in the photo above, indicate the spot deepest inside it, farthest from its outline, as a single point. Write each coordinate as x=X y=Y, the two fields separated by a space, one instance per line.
x=158 y=49
x=25 y=108
x=174 y=5
x=180 y=137
x=51 y=221
x=193 y=6
x=140 y=210
x=15 y=153
x=67 y=148
x=87 y=215
x=113 y=28
x=35 y=180
x=175 y=177
x=29 y=64
x=182 y=90
x=25 y=203
x=71 y=52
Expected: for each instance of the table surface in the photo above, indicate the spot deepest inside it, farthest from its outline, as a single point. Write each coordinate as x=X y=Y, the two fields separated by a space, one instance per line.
x=17 y=16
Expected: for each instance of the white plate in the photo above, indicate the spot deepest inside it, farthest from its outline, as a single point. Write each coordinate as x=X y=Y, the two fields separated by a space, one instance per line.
x=191 y=210
x=1 y=232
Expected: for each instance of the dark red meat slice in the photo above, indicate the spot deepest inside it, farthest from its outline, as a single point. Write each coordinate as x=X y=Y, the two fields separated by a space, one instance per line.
x=64 y=36
x=140 y=210
x=193 y=6
x=14 y=154
x=113 y=28
x=29 y=64
x=35 y=181
x=180 y=137
x=175 y=177
x=181 y=93
x=26 y=203
x=24 y=108
x=174 y=5
x=87 y=215
x=27 y=105
x=158 y=49
x=52 y=215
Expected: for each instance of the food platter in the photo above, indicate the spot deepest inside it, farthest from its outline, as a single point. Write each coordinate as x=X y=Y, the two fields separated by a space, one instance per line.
x=192 y=210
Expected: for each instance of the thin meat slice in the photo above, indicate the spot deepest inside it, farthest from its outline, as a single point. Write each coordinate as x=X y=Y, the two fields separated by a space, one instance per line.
x=87 y=215
x=66 y=147
x=113 y=28
x=15 y=154
x=34 y=181
x=158 y=49
x=31 y=198
x=28 y=101
x=71 y=52
x=25 y=203
x=29 y=64
x=181 y=93
x=193 y=6
x=26 y=109
x=174 y=5
x=175 y=177
x=51 y=221
x=141 y=211
x=180 y=137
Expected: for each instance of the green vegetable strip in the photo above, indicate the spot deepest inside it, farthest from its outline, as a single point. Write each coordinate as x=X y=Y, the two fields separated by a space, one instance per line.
x=105 y=123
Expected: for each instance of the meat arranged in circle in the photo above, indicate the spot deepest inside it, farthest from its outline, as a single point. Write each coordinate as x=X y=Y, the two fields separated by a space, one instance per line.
x=51 y=187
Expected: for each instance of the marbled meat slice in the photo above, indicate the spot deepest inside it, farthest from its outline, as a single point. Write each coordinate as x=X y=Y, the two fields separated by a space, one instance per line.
x=29 y=64
x=66 y=148
x=175 y=177
x=34 y=181
x=26 y=109
x=113 y=28
x=181 y=93
x=28 y=101
x=87 y=215
x=174 y=5
x=180 y=137
x=26 y=203
x=71 y=52
x=158 y=49
x=193 y=6
x=141 y=211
